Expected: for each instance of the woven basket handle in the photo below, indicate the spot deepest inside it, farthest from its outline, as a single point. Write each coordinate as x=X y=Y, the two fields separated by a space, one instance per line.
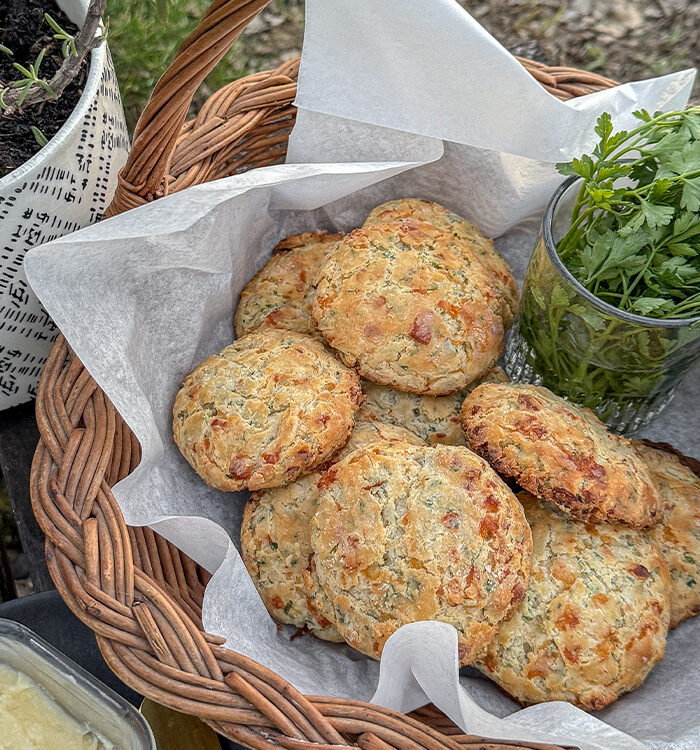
x=142 y=178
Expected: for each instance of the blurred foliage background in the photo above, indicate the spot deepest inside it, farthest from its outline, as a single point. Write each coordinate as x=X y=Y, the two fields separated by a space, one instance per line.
x=625 y=40
x=144 y=36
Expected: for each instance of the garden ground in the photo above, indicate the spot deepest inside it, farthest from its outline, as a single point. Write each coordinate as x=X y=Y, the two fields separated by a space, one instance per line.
x=624 y=40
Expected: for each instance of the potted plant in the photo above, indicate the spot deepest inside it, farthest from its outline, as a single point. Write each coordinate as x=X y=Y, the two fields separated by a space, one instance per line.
x=63 y=139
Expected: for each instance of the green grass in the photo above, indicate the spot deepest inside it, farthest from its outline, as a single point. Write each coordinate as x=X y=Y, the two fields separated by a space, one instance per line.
x=143 y=43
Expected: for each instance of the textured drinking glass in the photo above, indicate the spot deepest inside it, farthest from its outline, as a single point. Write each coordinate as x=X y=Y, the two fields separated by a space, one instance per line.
x=624 y=367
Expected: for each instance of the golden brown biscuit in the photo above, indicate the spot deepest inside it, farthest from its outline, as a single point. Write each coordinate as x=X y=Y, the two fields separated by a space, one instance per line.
x=277 y=553
x=433 y=418
x=268 y=408
x=465 y=236
x=405 y=533
x=280 y=293
x=405 y=310
x=594 y=620
x=276 y=541
x=560 y=452
x=678 y=534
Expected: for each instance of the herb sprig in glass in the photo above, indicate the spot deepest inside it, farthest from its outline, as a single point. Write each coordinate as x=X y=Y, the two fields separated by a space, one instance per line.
x=630 y=219
x=634 y=239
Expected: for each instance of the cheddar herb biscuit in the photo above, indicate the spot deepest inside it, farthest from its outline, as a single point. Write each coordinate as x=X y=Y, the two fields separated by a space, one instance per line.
x=406 y=533
x=280 y=294
x=277 y=553
x=465 y=236
x=594 y=620
x=678 y=534
x=435 y=418
x=404 y=309
x=560 y=452
x=271 y=406
x=276 y=541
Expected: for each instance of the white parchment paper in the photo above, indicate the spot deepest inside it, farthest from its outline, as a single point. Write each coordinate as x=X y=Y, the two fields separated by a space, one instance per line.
x=397 y=98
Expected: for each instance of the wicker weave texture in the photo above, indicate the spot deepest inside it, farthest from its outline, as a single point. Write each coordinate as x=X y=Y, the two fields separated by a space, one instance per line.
x=143 y=597
x=139 y=593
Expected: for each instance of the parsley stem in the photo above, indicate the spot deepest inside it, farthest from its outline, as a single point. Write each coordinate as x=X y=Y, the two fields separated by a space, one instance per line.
x=639 y=277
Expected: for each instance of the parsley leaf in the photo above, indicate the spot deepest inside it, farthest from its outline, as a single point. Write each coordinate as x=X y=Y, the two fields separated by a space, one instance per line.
x=690 y=197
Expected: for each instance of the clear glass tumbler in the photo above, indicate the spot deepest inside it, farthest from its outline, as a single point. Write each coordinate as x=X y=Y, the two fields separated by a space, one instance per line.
x=624 y=367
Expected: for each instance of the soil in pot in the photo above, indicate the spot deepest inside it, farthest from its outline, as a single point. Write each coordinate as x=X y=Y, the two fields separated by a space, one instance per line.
x=24 y=30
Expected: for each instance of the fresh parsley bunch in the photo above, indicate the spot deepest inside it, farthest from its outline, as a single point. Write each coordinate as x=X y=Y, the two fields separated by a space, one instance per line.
x=634 y=239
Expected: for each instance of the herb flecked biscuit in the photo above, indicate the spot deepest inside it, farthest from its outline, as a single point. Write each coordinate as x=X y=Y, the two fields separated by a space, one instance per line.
x=433 y=418
x=465 y=235
x=560 y=452
x=594 y=620
x=404 y=309
x=678 y=534
x=276 y=541
x=405 y=533
x=280 y=294
x=271 y=406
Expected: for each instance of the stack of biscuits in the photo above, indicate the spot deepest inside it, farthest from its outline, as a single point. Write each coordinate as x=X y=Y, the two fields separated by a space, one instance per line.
x=398 y=476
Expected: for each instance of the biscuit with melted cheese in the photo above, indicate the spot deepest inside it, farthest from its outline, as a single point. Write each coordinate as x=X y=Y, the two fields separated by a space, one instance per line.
x=560 y=452
x=405 y=310
x=268 y=408
x=435 y=418
x=405 y=533
x=280 y=293
x=594 y=619
x=678 y=534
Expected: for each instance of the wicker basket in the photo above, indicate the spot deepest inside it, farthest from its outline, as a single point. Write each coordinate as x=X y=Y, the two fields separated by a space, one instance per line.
x=139 y=593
